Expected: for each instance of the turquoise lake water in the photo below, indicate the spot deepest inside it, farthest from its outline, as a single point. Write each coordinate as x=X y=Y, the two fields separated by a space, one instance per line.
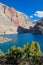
x=20 y=40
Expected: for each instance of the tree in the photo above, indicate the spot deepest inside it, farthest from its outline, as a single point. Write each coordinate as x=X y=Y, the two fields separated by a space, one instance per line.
x=26 y=49
x=35 y=53
x=14 y=55
x=34 y=49
x=2 y=57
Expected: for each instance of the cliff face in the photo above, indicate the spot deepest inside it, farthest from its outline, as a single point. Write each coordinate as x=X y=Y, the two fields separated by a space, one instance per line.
x=38 y=28
x=10 y=20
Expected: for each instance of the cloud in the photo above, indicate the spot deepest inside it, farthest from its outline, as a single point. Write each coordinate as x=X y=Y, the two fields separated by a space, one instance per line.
x=31 y=16
x=39 y=14
x=35 y=20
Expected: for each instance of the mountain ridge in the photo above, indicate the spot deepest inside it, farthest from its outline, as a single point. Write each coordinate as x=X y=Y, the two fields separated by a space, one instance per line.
x=10 y=20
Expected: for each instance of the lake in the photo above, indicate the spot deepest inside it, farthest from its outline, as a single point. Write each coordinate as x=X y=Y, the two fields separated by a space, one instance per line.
x=20 y=40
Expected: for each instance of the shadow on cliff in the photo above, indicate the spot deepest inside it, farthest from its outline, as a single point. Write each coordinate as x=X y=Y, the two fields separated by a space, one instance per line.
x=32 y=30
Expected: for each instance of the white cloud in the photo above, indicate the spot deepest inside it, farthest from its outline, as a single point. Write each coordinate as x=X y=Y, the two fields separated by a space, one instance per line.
x=39 y=14
x=35 y=20
x=31 y=16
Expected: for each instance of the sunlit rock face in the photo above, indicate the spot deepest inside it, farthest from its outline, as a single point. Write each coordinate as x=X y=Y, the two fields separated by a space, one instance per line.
x=4 y=39
x=10 y=20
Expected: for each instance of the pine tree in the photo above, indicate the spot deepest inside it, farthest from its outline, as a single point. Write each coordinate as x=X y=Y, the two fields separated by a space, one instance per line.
x=34 y=49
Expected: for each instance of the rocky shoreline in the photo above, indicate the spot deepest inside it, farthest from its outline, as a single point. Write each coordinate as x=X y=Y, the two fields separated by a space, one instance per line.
x=4 y=39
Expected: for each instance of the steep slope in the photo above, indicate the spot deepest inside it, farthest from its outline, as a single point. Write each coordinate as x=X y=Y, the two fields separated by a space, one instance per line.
x=39 y=26
x=11 y=20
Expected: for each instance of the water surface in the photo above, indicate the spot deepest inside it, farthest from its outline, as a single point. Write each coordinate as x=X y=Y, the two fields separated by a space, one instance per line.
x=20 y=40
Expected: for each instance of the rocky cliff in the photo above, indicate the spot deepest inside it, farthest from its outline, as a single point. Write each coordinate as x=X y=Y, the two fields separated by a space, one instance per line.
x=11 y=20
x=38 y=28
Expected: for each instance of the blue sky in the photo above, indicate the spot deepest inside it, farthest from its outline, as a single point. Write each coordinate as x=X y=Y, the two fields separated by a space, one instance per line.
x=32 y=8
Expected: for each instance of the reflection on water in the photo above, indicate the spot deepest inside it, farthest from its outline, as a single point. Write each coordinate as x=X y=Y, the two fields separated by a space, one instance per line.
x=20 y=40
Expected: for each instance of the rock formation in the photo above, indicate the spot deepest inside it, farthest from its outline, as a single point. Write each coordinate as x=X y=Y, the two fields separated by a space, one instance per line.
x=4 y=39
x=38 y=28
x=11 y=20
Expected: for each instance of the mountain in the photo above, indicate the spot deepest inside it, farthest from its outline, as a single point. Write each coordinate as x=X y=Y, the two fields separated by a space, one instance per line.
x=13 y=21
x=39 y=27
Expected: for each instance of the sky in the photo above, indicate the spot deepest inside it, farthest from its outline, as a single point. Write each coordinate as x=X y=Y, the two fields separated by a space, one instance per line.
x=32 y=8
